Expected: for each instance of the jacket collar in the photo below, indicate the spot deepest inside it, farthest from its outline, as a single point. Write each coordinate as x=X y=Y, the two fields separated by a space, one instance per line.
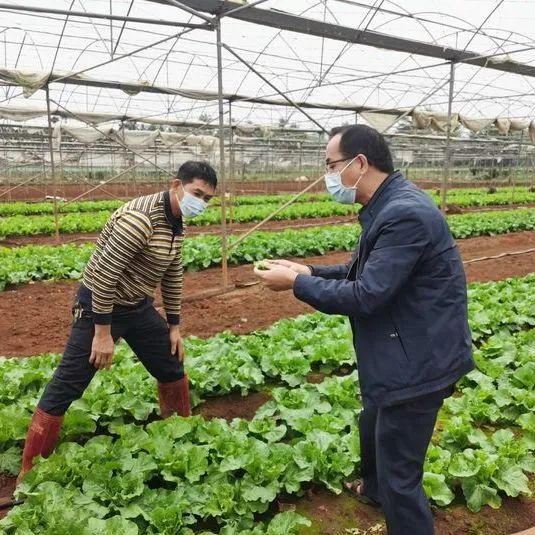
x=177 y=225
x=367 y=213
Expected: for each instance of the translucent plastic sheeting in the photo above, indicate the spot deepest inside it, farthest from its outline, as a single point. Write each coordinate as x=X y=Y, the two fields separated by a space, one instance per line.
x=380 y=121
x=475 y=125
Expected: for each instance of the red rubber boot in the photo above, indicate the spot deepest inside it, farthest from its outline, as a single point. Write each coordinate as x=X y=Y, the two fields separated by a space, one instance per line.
x=41 y=439
x=174 y=398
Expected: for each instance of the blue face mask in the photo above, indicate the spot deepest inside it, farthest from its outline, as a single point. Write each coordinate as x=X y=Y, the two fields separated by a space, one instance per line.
x=341 y=193
x=191 y=206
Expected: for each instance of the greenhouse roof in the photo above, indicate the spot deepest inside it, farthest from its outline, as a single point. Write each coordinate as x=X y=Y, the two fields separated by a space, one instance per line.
x=333 y=57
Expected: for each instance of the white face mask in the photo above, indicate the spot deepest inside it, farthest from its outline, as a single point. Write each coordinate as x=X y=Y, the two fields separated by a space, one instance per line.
x=191 y=206
x=341 y=193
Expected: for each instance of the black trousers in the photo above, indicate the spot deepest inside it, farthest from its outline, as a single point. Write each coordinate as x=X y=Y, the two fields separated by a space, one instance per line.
x=143 y=329
x=393 y=443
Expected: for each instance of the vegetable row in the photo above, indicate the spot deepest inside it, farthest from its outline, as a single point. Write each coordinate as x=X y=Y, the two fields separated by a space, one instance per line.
x=180 y=475
x=463 y=197
x=92 y=219
x=30 y=263
x=177 y=475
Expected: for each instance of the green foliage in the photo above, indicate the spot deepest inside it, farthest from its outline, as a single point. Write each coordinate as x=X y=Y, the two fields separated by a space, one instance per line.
x=26 y=219
x=41 y=208
x=23 y=264
x=168 y=476
x=463 y=197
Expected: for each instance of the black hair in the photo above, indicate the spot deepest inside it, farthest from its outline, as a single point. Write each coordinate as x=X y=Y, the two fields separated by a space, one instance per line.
x=362 y=139
x=191 y=170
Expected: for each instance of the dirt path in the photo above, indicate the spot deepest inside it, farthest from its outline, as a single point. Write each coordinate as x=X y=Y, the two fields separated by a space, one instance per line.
x=36 y=318
x=129 y=190
x=334 y=515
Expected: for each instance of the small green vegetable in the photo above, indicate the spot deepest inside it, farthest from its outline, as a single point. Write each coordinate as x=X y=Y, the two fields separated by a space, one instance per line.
x=261 y=265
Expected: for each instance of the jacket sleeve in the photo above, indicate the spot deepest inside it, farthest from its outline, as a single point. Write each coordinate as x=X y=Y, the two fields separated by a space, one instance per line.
x=335 y=271
x=332 y=272
x=131 y=232
x=401 y=242
x=171 y=285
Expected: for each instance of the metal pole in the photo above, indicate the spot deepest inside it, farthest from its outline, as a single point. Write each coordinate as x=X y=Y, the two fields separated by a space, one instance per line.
x=231 y=166
x=515 y=174
x=318 y=155
x=191 y=11
x=8 y=174
x=112 y=48
x=134 y=173
x=447 y=152
x=270 y=153
x=52 y=167
x=222 y=178
x=61 y=171
x=156 y=171
x=283 y=95
x=110 y=17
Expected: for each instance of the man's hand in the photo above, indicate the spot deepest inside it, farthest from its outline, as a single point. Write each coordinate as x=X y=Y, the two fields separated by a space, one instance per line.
x=102 y=347
x=298 y=268
x=177 y=346
x=277 y=278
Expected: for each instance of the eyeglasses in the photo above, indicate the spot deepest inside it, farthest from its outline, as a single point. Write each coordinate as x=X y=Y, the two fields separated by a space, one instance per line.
x=329 y=165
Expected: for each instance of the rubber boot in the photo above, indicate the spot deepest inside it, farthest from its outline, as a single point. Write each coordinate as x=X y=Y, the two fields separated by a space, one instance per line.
x=41 y=439
x=174 y=398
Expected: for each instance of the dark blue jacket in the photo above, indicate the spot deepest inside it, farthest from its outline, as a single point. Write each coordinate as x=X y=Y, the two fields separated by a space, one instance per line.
x=404 y=292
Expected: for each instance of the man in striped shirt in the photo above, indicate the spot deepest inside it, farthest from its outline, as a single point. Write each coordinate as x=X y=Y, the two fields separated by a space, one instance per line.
x=139 y=248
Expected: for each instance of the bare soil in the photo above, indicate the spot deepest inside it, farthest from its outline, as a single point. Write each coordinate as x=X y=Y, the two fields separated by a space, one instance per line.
x=129 y=190
x=333 y=515
x=35 y=318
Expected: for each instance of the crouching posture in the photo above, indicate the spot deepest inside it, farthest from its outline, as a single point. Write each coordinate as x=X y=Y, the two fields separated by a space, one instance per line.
x=139 y=248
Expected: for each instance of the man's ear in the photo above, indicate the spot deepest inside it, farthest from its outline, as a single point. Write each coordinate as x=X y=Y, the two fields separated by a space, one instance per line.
x=175 y=183
x=364 y=163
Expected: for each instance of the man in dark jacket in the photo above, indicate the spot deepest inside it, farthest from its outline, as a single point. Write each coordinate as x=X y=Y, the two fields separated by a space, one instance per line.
x=404 y=292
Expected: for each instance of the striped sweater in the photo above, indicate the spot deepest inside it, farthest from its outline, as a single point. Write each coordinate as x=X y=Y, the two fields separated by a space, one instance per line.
x=139 y=247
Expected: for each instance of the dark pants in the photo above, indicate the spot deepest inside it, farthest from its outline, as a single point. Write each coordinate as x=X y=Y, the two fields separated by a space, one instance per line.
x=143 y=329
x=393 y=443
